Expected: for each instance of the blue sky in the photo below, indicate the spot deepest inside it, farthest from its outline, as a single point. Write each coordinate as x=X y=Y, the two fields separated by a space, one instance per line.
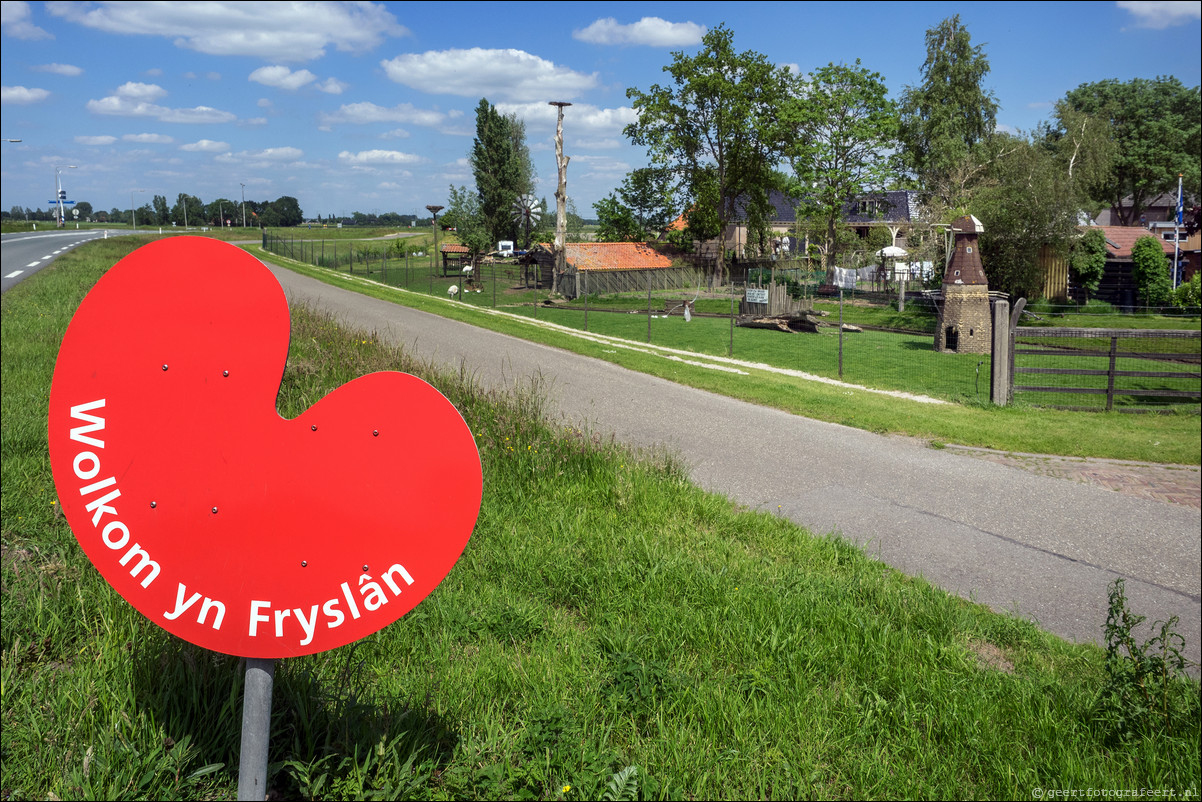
x=371 y=106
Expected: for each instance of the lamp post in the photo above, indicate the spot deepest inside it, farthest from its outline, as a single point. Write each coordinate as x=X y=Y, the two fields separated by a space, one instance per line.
x=58 y=191
x=243 y=204
x=133 y=212
x=434 y=210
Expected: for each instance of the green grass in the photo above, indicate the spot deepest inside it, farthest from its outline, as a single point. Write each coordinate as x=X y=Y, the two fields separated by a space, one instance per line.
x=605 y=614
x=1174 y=438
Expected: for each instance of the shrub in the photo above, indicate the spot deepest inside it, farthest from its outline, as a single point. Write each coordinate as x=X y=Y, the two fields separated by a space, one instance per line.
x=1189 y=294
x=1151 y=271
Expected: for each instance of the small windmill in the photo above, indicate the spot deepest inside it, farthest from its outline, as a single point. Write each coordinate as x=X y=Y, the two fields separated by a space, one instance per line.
x=526 y=210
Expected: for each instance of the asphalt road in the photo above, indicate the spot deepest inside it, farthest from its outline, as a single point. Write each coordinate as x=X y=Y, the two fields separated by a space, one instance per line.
x=1040 y=547
x=1037 y=546
x=24 y=254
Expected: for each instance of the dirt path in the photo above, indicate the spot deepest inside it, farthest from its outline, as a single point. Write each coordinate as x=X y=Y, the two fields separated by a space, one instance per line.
x=1174 y=484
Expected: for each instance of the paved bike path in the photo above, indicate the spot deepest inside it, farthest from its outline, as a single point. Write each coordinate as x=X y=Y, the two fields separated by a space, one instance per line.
x=1039 y=546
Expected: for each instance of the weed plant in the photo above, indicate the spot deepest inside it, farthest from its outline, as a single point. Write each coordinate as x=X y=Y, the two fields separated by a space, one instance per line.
x=611 y=631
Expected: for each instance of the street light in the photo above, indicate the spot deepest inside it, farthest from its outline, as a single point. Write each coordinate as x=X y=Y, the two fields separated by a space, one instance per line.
x=58 y=191
x=133 y=213
x=243 y=204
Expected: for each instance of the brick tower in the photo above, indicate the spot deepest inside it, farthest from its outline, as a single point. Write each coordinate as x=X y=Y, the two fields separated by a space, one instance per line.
x=965 y=326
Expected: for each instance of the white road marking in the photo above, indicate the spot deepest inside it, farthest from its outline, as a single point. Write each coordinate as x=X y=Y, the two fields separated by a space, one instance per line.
x=14 y=274
x=33 y=264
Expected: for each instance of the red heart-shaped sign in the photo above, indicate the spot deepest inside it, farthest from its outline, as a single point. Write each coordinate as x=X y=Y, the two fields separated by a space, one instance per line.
x=221 y=521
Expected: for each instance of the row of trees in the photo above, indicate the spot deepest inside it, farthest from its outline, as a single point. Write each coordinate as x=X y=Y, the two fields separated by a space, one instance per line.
x=187 y=210
x=730 y=127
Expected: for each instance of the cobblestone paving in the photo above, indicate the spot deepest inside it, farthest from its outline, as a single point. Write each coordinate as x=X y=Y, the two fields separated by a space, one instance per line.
x=1174 y=484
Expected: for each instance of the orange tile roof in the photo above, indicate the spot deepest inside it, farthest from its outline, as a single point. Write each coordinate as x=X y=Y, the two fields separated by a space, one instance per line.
x=451 y=247
x=1119 y=240
x=614 y=256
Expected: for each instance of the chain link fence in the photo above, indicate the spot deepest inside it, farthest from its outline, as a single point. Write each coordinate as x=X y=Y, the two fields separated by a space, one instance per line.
x=879 y=334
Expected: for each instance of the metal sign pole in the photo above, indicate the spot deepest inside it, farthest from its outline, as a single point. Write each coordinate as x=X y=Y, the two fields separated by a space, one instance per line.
x=256 y=729
x=840 y=331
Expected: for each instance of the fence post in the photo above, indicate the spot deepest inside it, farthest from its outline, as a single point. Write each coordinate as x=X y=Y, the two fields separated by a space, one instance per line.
x=1012 y=330
x=648 y=275
x=1000 y=379
x=730 y=351
x=1114 y=348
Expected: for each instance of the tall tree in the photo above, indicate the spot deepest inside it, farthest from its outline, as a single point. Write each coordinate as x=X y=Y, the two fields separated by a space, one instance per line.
x=946 y=117
x=715 y=127
x=1085 y=152
x=1087 y=260
x=616 y=222
x=288 y=210
x=501 y=166
x=161 y=212
x=1025 y=202
x=188 y=210
x=844 y=129
x=464 y=209
x=1156 y=126
x=648 y=193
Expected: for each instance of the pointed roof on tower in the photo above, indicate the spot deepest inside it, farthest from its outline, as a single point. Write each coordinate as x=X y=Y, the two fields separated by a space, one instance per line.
x=965 y=265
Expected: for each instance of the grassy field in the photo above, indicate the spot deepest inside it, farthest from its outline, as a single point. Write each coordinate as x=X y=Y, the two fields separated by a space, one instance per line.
x=1175 y=438
x=609 y=627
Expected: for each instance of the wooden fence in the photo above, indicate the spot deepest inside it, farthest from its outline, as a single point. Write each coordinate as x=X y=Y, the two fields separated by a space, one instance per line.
x=613 y=282
x=1142 y=368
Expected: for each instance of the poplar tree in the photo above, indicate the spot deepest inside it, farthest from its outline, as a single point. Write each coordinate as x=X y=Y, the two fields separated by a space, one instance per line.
x=501 y=166
x=716 y=127
x=946 y=118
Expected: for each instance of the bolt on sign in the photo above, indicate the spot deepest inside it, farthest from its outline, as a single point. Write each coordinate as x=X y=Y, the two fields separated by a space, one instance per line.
x=224 y=523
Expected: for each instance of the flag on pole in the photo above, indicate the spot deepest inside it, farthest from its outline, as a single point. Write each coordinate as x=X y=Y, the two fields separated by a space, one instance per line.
x=1180 y=205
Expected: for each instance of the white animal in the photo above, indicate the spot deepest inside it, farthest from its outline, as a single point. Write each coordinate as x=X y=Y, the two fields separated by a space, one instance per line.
x=452 y=291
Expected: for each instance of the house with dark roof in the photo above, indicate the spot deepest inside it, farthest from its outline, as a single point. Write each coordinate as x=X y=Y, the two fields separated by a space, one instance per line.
x=895 y=210
x=1160 y=208
x=1118 y=285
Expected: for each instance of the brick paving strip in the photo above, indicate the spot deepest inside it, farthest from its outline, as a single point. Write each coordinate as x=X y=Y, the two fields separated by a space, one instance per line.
x=1174 y=484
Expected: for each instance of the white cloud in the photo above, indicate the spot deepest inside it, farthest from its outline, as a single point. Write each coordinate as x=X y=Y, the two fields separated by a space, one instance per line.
x=1161 y=14
x=282 y=78
x=651 y=31
x=68 y=70
x=273 y=154
x=395 y=133
x=154 y=72
x=139 y=91
x=368 y=157
x=288 y=32
x=206 y=146
x=513 y=75
x=15 y=22
x=366 y=112
x=22 y=95
x=149 y=139
x=213 y=76
x=254 y=121
x=95 y=140
x=132 y=99
x=332 y=86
